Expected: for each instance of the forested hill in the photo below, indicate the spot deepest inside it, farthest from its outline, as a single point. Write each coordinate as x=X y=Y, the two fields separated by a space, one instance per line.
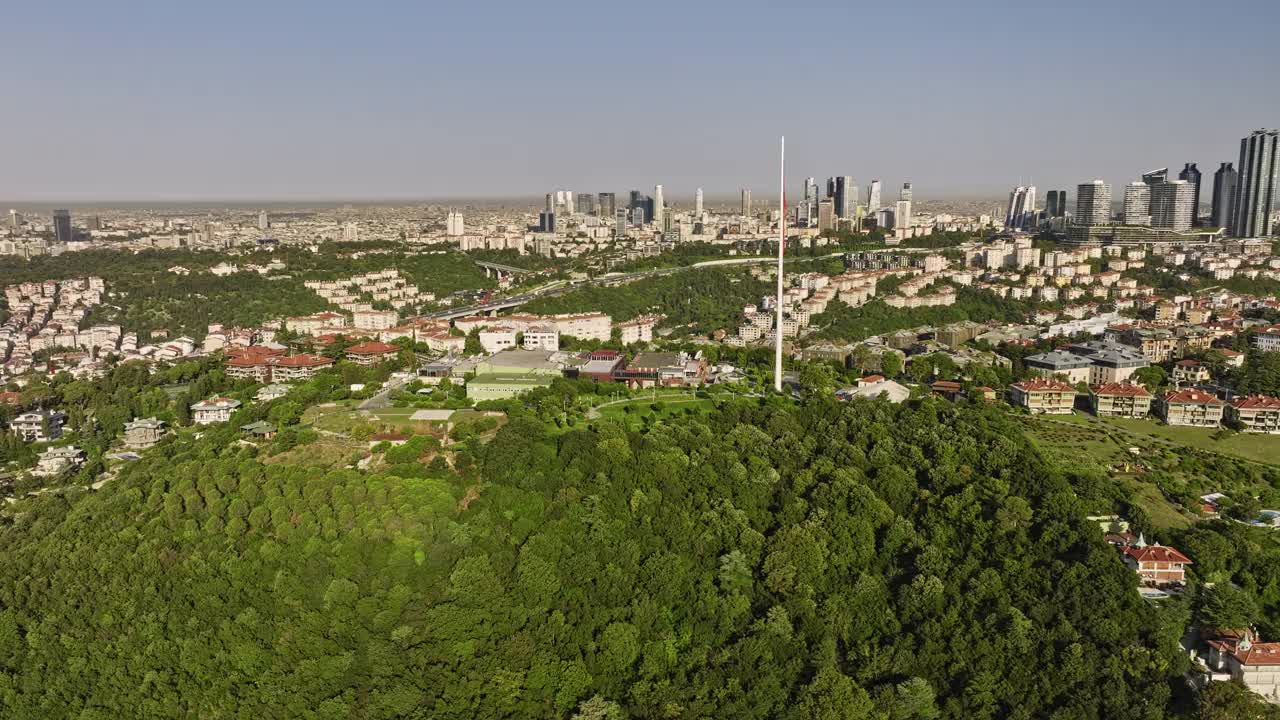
x=827 y=561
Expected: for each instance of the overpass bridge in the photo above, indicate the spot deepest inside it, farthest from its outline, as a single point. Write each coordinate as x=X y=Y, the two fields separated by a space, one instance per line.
x=491 y=268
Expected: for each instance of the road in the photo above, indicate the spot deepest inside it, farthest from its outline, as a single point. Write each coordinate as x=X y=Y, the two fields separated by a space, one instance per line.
x=383 y=399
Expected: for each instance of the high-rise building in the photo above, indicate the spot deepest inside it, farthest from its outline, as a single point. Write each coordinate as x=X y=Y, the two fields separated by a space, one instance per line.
x=1173 y=205
x=620 y=223
x=1056 y=204
x=659 y=206
x=1256 y=185
x=1137 y=203
x=1224 y=195
x=546 y=222
x=551 y=203
x=1022 y=207
x=608 y=205
x=351 y=232
x=62 y=225
x=873 y=196
x=809 y=208
x=905 y=193
x=746 y=202
x=454 y=225
x=263 y=221
x=826 y=214
x=586 y=204
x=15 y=219
x=1191 y=174
x=1155 y=177
x=697 y=203
x=1093 y=203
x=902 y=214
x=845 y=197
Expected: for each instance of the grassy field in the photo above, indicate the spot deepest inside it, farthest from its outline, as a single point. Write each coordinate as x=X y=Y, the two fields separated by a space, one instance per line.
x=667 y=407
x=1259 y=448
x=1073 y=439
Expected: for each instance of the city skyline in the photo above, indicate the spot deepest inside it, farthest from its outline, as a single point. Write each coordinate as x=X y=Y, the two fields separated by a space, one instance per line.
x=406 y=102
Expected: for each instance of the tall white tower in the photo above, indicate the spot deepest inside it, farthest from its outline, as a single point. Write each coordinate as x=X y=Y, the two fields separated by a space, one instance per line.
x=697 y=203
x=659 y=211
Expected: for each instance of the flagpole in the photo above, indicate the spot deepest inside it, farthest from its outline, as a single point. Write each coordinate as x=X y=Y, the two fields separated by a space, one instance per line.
x=782 y=243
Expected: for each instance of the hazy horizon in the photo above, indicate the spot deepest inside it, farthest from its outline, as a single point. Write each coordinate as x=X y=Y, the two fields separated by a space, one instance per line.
x=409 y=103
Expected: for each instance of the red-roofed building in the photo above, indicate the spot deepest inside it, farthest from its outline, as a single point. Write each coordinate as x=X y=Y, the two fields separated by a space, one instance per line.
x=1256 y=664
x=1190 y=372
x=1190 y=407
x=1119 y=400
x=1043 y=395
x=948 y=389
x=270 y=365
x=1257 y=413
x=10 y=398
x=371 y=353
x=1156 y=564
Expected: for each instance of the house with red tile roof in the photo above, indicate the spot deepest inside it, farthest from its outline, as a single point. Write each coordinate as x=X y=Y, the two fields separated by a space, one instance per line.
x=1255 y=664
x=371 y=353
x=1156 y=564
x=1043 y=395
x=1257 y=413
x=1190 y=407
x=1119 y=400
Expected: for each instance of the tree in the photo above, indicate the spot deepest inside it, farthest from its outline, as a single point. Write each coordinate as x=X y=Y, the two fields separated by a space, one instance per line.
x=1233 y=701
x=1226 y=606
x=890 y=364
x=1151 y=376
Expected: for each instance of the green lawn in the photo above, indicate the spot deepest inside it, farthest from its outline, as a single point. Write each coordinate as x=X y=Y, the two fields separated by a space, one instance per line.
x=667 y=407
x=1259 y=448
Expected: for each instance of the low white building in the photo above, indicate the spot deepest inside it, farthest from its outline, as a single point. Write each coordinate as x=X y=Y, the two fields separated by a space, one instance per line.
x=213 y=410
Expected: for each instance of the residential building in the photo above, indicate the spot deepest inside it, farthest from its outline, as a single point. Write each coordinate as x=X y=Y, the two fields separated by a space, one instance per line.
x=1190 y=407
x=1059 y=364
x=1137 y=204
x=541 y=338
x=1173 y=205
x=1043 y=395
x=638 y=330
x=1190 y=372
x=1255 y=664
x=1256 y=413
x=58 y=460
x=1156 y=564
x=375 y=319
x=372 y=353
x=213 y=410
x=1093 y=203
x=1119 y=400
x=143 y=433
x=1109 y=362
x=497 y=339
x=39 y=425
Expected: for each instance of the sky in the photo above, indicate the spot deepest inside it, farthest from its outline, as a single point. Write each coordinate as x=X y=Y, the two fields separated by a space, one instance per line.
x=138 y=100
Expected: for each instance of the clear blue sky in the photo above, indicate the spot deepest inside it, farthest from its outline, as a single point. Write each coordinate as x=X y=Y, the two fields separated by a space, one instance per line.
x=139 y=100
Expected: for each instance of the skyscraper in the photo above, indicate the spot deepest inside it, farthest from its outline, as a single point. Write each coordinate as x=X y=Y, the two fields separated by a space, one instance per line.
x=263 y=221
x=902 y=214
x=697 y=203
x=826 y=214
x=845 y=198
x=1173 y=205
x=551 y=202
x=15 y=219
x=1093 y=203
x=905 y=193
x=873 y=197
x=659 y=207
x=585 y=204
x=1155 y=177
x=620 y=223
x=1256 y=186
x=1137 y=203
x=1022 y=207
x=453 y=223
x=608 y=205
x=1224 y=195
x=1191 y=174
x=546 y=222
x=746 y=202
x=1056 y=204
x=351 y=232
x=62 y=225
